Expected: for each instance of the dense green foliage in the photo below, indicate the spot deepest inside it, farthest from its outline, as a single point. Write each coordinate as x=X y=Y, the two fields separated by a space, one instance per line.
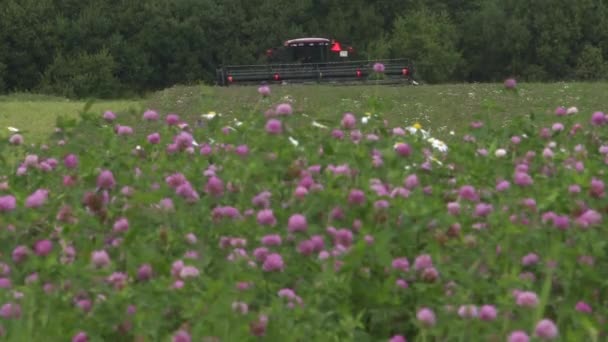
x=104 y=47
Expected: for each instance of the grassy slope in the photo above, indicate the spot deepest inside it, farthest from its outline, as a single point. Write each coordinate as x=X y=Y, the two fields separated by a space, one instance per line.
x=35 y=115
x=441 y=108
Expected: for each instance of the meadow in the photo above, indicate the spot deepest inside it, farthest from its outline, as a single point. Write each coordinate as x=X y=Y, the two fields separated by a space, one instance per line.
x=307 y=213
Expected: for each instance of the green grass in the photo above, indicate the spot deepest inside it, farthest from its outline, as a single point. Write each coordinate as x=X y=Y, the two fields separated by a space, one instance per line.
x=35 y=115
x=440 y=108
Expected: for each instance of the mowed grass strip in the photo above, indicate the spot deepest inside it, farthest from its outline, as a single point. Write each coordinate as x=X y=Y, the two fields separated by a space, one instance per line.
x=439 y=108
x=35 y=116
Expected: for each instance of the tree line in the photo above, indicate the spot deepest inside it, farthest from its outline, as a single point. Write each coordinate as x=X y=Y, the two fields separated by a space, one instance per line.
x=107 y=48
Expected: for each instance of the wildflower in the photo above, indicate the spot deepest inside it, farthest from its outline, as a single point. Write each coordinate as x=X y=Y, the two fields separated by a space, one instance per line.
x=172 y=119
x=546 y=330
x=10 y=310
x=423 y=261
x=589 y=218
x=468 y=192
x=572 y=110
x=527 y=299
x=557 y=127
x=80 y=337
x=118 y=279
x=182 y=336
x=522 y=179
x=284 y=109
x=468 y=311
x=293 y=141
x=189 y=272
x=70 y=161
x=266 y=217
x=121 y=225
x=453 y=208
x=150 y=115
x=209 y=115
x=273 y=262
x=144 y=272
x=7 y=203
x=264 y=90
x=214 y=186
x=397 y=338
x=596 y=188
x=356 y=196
x=258 y=327
x=37 y=198
x=403 y=149
x=438 y=144
x=401 y=264
x=271 y=240
x=124 y=130
x=529 y=259
x=598 y=119
x=274 y=126
x=518 y=336
x=100 y=258
x=487 y=313
x=297 y=223
x=426 y=316
x=319 y=125
x=154 y=138
x=510 y=83
x=349 y=121
x=16 y=139
x=501 y=152
x=105 y=180
x=561 y=111
x=43 y=247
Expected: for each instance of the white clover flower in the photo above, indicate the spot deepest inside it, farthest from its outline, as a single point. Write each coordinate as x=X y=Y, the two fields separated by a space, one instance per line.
x=365 y=120
x=501 y=152
x=572 y=110
x=13 y=129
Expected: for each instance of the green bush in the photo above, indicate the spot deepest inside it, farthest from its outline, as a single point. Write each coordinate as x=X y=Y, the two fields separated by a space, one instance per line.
x=590 y=65
x=82 y=75
x=2 y=72
x=430 y=40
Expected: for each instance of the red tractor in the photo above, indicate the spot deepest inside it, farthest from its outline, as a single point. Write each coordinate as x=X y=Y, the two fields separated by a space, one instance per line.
x=316 y=60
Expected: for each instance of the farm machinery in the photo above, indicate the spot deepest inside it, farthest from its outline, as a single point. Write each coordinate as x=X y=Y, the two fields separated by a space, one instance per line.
x=316 y=60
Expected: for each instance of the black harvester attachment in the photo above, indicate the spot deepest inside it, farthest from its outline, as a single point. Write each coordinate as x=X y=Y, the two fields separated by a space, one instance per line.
x=316 y=60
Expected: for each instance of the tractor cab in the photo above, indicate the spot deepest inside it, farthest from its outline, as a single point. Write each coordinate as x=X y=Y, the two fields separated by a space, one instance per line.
x=310 y=50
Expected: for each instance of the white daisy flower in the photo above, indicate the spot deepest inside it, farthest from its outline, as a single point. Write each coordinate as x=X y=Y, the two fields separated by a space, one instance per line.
x=319 y=125
x=209 y=115
x=293 y=141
